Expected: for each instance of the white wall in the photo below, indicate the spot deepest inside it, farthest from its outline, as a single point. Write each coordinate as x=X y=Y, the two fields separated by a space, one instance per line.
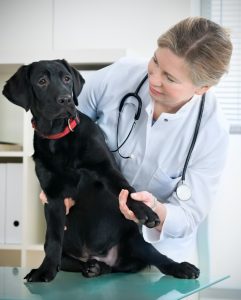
x=94 y=24
x=225 y=221
x=25 y=24
x=133 y=25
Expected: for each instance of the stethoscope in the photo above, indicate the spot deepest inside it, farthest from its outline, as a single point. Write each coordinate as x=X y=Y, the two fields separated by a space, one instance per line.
x=183 y=191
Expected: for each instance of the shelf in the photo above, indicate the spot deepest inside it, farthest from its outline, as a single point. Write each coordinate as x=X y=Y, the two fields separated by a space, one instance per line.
x=10 y=257
x=34 y=256
x=36 y=247
x=11 y=153
x=9 y=68
x=33 y=247
x=10 y=247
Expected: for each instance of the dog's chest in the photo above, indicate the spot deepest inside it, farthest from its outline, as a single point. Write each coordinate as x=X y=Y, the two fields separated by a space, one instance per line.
x=52 y=147
x=58 y=156
x=60 y=150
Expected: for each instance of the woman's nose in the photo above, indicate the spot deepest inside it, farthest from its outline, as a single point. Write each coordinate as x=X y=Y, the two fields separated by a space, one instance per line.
x=156 y=80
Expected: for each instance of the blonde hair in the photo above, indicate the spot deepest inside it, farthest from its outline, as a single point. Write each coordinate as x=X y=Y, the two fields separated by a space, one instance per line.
x=205 y=46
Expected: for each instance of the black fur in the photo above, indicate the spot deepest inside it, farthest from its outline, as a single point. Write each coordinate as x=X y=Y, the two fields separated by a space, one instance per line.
x=80 y=166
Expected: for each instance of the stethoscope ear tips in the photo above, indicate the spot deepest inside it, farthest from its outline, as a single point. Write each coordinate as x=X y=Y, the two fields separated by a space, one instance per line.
x=183 y=191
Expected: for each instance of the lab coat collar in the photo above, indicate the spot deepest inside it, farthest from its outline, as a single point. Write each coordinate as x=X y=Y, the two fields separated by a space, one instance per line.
x=173 y=116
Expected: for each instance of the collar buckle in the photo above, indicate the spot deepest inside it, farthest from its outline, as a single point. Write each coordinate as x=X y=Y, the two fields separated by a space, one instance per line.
x=69 y=125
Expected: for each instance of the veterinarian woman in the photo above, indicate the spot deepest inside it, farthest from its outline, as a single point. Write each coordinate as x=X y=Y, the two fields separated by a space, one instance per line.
x=190 y=58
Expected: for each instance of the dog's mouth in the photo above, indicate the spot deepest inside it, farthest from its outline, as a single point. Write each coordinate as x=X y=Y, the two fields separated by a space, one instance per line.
x=68 y=113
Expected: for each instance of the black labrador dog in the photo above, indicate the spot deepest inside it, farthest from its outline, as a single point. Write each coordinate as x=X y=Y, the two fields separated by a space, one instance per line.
x=72 y=160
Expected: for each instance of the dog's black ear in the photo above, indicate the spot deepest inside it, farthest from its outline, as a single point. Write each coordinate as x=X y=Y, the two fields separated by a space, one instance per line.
x=77 y=79
x=18 y=90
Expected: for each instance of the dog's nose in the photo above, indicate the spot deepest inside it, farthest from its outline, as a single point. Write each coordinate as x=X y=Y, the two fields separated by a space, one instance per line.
x=64 y=100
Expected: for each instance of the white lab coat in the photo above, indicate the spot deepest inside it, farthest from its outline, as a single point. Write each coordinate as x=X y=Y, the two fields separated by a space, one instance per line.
x=158 y=151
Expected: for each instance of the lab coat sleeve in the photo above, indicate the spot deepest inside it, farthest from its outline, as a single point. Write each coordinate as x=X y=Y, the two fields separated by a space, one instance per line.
x=92 y=93
x=203 y=176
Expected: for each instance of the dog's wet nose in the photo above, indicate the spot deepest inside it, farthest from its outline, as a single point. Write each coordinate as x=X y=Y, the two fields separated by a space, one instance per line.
x=64 y=100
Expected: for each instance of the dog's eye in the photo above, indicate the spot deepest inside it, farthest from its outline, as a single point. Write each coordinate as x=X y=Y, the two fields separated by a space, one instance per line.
x=42 y=81
x=66 y=78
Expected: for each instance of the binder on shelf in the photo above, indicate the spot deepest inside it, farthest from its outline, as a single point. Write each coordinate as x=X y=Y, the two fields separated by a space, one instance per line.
x=2 y=202
x=13 y=203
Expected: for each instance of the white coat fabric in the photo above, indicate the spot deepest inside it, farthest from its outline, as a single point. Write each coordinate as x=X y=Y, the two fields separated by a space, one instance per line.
x=158 y=150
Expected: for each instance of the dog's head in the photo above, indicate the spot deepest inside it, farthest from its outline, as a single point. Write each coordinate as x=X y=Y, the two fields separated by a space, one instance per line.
x=49 y=88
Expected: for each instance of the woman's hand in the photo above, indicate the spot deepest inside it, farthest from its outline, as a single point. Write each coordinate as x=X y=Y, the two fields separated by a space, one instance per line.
x=145 y=197
x=68 y=202
x=129 y=215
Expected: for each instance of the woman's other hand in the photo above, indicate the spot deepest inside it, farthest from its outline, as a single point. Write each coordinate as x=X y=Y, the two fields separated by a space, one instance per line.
x=68 y=202
x=145 y=197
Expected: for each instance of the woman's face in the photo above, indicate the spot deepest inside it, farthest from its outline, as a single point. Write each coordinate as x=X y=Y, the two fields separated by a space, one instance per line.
x=169 y=81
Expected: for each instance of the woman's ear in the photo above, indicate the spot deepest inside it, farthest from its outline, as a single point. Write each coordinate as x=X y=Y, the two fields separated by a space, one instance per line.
x=202 y=90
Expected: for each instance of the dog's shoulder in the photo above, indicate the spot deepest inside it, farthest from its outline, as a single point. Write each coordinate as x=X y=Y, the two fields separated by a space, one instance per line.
x=95 y=138
x=89 y=126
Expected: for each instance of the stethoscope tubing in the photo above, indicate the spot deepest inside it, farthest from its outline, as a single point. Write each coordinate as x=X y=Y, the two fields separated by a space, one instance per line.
x=136 y=117
x=194 y=139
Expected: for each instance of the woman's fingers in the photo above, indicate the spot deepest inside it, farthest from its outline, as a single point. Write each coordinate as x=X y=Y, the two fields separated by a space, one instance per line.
x=43 y=197
x=144 y=197
x=68 y=202
x=123 y=196
x=141 y=196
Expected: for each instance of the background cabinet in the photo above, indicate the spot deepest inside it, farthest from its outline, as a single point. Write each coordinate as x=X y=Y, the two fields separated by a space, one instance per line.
x=11 y=198
x=15 y=127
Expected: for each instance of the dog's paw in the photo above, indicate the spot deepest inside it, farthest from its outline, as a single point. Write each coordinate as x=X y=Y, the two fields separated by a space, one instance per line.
x=41 y=275
x=144 y=214
x=182 y=270
x=93 y=268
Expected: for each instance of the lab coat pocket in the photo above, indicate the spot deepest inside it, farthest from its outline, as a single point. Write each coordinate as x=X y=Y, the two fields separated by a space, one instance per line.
x=162 y=185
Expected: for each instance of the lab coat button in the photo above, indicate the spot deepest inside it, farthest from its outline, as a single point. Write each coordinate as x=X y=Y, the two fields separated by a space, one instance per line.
x=165 y=120
x=132 y=156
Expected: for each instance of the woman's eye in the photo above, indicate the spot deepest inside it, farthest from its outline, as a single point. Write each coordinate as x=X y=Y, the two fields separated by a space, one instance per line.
x=170 y=79
x=42 y=81
x=66 y=78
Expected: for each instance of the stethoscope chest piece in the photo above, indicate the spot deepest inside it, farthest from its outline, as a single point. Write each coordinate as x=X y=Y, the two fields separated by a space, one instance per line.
x=183 y=191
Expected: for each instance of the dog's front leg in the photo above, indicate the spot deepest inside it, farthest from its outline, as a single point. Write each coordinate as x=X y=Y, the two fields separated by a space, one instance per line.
x=116 y=182
x=55 y=219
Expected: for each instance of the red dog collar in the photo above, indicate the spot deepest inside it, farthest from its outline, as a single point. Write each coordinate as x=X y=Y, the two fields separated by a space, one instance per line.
x=72 y=123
